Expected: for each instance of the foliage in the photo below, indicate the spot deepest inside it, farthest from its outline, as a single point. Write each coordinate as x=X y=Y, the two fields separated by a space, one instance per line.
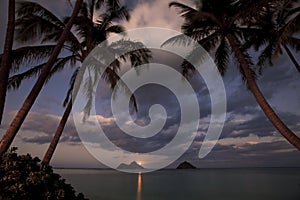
x=96 y=21
x=22 y=177
x=264 y=25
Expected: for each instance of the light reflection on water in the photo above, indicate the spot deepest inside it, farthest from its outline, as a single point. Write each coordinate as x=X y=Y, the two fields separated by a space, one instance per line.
x=207 y=184
x=139 y=187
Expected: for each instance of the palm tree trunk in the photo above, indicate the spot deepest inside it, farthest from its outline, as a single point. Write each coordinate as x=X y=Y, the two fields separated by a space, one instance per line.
x=29 y=101
x=7 y=55
x=48 y=156
x=267 y=109
x=58 y=133
x=293 y=59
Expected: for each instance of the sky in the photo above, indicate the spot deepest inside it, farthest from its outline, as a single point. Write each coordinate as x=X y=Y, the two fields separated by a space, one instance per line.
x=247 y=140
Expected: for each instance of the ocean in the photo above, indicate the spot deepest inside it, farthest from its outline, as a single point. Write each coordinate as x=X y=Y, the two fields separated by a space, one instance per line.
x=200 y=184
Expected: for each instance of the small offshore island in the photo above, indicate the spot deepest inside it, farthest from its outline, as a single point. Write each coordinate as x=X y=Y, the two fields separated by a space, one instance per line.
x=186 y=165
x=132 y=166
x=135 y=166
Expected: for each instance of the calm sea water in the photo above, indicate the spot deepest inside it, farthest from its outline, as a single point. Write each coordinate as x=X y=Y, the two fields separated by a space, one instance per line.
x=201 y=184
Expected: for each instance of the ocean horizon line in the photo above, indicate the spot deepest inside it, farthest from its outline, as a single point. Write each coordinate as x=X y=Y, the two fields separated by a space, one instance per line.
x=198 y=168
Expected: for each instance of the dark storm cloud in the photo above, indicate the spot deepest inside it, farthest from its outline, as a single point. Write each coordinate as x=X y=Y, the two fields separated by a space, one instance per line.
x=146 y=96
x=150 y=94
x=139 y=145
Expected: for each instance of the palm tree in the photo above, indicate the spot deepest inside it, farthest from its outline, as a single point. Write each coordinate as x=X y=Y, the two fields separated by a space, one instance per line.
x=278 y=32
x=222 y=26
x=88 y=32
x=93 y=32
x=16 y=123
x=7 y=55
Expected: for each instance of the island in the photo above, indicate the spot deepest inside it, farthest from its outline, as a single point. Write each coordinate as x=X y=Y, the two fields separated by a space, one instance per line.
x=132 y=165
x=185 y=165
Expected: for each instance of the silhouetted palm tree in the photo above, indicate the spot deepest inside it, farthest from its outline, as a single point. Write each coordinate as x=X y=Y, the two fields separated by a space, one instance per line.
x=221 y=26
x=89 y=31
x=277 y=32
x=92 y=33
x=17 y=121
x=5 y=66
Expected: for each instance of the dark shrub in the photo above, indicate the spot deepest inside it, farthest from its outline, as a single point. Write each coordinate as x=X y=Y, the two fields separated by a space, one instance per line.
x=22 y=177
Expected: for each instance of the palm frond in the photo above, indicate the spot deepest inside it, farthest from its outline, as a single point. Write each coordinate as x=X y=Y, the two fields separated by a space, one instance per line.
x=266 y=54
x=181 y=39
x=33 y=35
x=210 y=42
x=248 y=59
x=36 y=23
x=89 y=93
x=293 y=11
x=112 y=78
x=222 y=56
x=197 y=56
x=71 y=87
x=121 y=13
x=34 y=20
x=32 y=8
x=137 y=53
x=292 y=26
x=33 y=28
x=293 y=42
x=187 y=69
x=61 y=63
x=105 y=20
x=249 y=10
x=98 y=4
x=112 y=5
x=254 y=37
x=115 y=29
x=15 y=81
x=30 y=55
x=84 y=11
x=185 y=11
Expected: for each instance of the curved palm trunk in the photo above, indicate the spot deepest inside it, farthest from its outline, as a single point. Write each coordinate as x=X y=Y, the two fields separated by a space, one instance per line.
x=50 y=151
x=267 y=109
x=89 y=47
x=29 y=101
x=7 y=54
x=58 y=133
x=54 y=142
x=293 y=59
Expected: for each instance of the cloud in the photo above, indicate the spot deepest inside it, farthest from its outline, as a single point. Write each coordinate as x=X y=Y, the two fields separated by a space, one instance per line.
x=262 y=154
x=40 y=127
x=248 y=138
x=154 y=13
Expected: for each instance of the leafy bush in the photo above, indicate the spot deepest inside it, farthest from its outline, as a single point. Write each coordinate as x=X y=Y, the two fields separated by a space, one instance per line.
x=22 y=177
